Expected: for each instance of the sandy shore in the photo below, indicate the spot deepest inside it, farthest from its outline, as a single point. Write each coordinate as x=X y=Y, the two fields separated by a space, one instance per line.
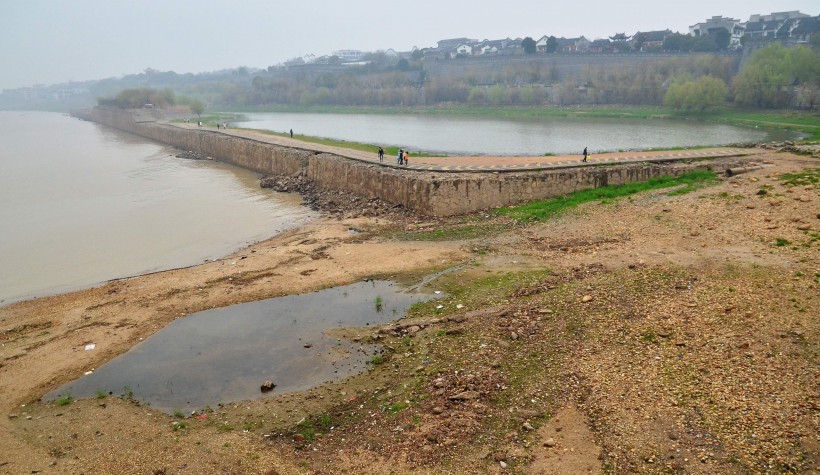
x=43 y=339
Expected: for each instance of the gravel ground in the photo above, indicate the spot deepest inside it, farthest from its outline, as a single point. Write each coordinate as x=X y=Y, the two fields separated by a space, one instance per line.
x=657 y=334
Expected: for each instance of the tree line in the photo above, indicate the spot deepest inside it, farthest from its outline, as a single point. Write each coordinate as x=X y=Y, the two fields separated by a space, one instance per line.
x=164 y=98
x=773 y=77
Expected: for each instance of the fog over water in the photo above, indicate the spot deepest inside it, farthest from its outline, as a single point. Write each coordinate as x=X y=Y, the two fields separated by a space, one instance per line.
x=81 y=203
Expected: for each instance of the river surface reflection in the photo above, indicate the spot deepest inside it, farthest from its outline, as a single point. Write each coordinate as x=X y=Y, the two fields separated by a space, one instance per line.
x=465 y=135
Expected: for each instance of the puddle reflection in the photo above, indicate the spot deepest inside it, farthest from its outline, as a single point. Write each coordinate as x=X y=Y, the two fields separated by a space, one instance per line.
x=225 y=354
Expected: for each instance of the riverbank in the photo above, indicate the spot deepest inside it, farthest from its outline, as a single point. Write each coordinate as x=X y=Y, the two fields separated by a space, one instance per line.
x=661 y=332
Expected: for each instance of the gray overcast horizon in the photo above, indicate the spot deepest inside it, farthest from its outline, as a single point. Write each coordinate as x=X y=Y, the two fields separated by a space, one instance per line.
x=56 y=41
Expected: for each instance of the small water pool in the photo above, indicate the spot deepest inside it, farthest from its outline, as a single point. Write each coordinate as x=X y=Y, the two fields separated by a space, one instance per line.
x=226 y=354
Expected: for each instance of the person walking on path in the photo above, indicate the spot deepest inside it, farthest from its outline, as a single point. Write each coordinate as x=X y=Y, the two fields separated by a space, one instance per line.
x=291 y=133
x=381 y=154
x=585 y=155
x=400 y=157
x=406 y=156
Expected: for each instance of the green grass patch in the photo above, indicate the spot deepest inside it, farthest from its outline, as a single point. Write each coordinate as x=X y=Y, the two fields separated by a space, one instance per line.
x=542 y=210
x=452 y=233
x=307 y=429
x=396 y=407
x=806 y=177
x=65 y=400
x=780 y=242
x=804 y=123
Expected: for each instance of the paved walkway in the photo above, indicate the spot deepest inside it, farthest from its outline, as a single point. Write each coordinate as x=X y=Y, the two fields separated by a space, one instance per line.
x=486 y=163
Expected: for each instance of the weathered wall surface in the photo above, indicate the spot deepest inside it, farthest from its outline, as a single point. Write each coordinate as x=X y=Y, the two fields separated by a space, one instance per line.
x=432 y=193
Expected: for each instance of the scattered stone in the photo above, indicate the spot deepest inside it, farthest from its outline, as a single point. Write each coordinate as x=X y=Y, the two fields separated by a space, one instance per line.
x=528 y=427
x=586 y=298
x=549 y=442
x=267 y=386
x=804 y=227
x=514 y=335
x=438 y=410
x=464 y=396
x=192 y=155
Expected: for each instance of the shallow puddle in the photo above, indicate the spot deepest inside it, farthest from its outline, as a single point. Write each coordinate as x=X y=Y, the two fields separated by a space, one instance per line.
x=226 y=354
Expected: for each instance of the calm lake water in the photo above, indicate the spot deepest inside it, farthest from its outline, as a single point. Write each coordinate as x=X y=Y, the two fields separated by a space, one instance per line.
x=81 y=203
x=461 y=135
x=225 y=354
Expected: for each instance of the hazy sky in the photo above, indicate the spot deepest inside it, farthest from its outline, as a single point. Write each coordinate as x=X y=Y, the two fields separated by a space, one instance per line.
x=54 y=41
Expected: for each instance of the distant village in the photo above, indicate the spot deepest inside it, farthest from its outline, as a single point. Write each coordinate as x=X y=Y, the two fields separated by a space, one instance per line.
x=716 y=34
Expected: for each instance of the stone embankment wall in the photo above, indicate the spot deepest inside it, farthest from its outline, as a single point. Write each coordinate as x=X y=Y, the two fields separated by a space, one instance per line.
x=426 y=192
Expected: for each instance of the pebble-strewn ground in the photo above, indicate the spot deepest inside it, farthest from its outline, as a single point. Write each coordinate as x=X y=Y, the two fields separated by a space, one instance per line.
x=657 y=334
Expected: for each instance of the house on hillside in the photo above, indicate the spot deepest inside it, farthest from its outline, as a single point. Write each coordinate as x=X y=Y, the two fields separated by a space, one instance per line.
x=503 y=46
x=710 y=27
x=573 y=45
x=453 y=43
x=601 y=46
x=778 y=16
x=805 y=29
x=349 y=54
x=762 y=29
x=541 y=44
x=619 y=38
x=774 y=25
x=464 y=49
x=486 y=48
x=650 y=40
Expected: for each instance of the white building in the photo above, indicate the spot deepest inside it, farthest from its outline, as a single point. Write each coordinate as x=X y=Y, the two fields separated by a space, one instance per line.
x=735 y=28
x=349 y=54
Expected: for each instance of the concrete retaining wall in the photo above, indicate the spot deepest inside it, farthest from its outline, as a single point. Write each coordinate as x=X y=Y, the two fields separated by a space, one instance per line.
x=431 y=193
